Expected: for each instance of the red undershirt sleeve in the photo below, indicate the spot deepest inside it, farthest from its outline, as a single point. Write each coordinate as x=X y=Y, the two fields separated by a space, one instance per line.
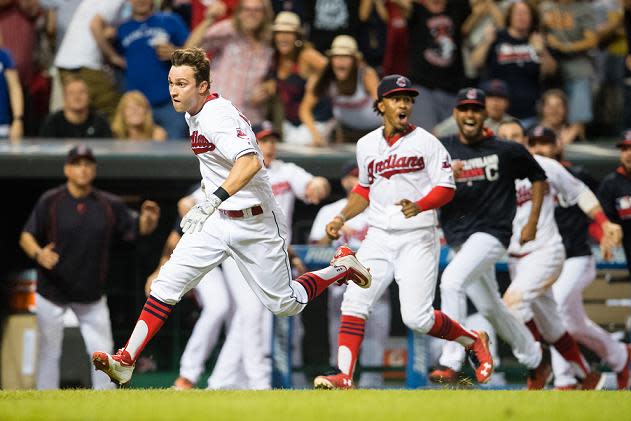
x=362 y=191
x=437 y=197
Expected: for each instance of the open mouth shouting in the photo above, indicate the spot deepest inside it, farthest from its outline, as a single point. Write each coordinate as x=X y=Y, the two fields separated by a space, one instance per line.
x=402 y=118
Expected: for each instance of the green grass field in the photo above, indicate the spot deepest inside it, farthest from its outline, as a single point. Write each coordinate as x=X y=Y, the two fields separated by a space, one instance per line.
x=364 y=405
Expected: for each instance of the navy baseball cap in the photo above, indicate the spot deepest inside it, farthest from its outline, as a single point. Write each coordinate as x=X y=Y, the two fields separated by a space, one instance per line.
x=265 y=129
x=626 y=139
x=393 y=84
x=350 y=168
x=78 y=152
x=471 y=96
x=541 y=134
x=495 y=87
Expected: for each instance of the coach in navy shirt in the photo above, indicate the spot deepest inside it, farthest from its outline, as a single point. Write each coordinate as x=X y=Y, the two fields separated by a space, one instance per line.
x=69 y=234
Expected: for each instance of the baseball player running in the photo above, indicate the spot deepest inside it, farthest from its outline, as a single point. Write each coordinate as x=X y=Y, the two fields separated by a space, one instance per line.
x=478 y=226
x=404 y=175
x=249 y=225
x=243 y=362
x=579 y=270
x=377 y=329
x=535 y=265
x=217 y=308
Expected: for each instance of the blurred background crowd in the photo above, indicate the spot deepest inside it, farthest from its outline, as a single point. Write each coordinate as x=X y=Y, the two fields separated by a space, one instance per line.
x=98 y=69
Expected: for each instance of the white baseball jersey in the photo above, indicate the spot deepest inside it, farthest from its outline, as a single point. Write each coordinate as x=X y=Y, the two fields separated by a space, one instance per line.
x=409 y=169
x=288 y=182
x=561 y=183
x=220 y=135
x=352 y=233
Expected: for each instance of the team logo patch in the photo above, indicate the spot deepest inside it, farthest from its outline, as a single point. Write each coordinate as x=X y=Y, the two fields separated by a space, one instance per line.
x=241 y=134
x=401 y=82
x=472 y=94
x=199 y=144
x=393 y=165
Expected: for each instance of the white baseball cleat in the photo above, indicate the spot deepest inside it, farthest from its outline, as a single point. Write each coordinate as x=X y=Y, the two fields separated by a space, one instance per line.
x=357 y=272
x=119 y=367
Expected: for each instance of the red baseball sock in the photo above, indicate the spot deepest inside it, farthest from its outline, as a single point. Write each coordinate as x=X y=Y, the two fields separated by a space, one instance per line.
x=532 y=326
x=349 y=340
x=568 y=348
x=446 y=328
x=316 y=282
x=152 y=317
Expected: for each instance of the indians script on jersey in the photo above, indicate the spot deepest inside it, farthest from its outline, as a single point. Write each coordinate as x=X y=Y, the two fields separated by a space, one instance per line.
x=199 y=144
x=480 y=168
x=394 y=164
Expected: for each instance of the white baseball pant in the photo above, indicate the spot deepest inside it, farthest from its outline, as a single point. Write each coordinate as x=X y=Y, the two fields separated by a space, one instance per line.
x=471 y=273
x=245 y=358
x=577 y=274
x=217 y=309
x=377 y=332
x=530 y=292
x=408 y=257
x=257 y=244
x=96 y=330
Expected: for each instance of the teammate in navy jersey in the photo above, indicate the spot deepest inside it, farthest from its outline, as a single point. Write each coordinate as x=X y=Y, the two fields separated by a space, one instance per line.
x=478 y=226
x=579 y=270
x=615 y=194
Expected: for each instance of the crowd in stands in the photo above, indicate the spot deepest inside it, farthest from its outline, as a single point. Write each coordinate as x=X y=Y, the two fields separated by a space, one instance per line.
x=312 y=66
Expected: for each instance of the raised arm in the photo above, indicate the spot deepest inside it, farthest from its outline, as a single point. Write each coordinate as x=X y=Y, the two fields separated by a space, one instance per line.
x=215 y=10
x=100 y=29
